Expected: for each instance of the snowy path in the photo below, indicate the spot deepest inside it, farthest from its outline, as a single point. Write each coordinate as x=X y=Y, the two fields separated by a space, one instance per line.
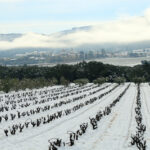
x=145 y=97
x=113 y=132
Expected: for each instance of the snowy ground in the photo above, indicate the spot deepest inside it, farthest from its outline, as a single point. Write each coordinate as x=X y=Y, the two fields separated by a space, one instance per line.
x=113 y=132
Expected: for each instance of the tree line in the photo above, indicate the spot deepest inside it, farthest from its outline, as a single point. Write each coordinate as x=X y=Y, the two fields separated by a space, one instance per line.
x=22 y=77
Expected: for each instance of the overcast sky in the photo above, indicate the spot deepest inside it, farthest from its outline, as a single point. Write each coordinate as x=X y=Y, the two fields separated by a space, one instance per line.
x=50 y=16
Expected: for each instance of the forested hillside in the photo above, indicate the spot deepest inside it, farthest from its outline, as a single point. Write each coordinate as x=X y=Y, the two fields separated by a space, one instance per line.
x=22 y=77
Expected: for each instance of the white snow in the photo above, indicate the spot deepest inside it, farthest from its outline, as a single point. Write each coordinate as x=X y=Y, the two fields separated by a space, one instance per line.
x=113 y=132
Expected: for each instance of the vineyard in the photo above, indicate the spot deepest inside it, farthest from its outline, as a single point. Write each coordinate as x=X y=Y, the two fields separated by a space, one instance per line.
x=90 y=117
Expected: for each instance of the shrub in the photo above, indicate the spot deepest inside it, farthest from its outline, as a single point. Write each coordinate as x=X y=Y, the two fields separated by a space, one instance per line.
x=100 y=80
x=82 y=81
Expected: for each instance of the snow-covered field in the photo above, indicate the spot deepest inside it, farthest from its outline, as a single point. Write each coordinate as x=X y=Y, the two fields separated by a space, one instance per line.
x=35 y=119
